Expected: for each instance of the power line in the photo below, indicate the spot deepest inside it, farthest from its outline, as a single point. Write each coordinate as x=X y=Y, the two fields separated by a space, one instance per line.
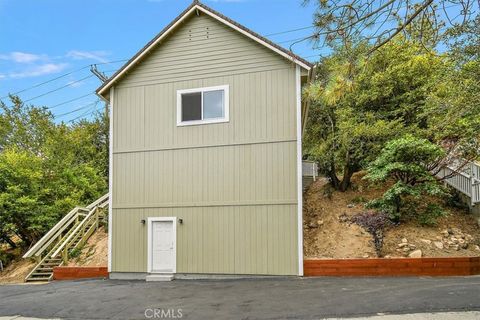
x=59 y=88
x=45 y=82
x=61 y=76
x=78 y=109
x=74 y=99
x=289 y=31
x=89 y=112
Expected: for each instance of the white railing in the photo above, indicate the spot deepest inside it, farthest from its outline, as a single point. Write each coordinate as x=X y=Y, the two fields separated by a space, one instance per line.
x=310 y=169
x=465 y=179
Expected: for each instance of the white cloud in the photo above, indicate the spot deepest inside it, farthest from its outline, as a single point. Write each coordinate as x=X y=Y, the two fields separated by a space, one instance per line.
x=40 y=70
x=92 y=55
x=21 y=57
x=75 y=84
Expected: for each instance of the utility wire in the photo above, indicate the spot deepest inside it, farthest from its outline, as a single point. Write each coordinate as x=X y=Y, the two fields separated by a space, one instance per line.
x=289 y=31
x=74 y=99
x=89 y=112
x=78 y=109
x=61 y=76
x=59 y=88
x=45 y=82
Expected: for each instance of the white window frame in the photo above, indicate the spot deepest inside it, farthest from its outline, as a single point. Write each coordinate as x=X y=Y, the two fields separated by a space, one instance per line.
x=226 y=115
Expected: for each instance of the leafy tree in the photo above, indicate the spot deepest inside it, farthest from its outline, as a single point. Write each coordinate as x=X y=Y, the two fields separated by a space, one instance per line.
x=46 y=168
x=408 y=161
x=358 y=104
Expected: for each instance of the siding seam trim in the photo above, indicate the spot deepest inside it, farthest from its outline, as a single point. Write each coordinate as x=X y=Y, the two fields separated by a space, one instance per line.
x=205 y=146
x=206 y=205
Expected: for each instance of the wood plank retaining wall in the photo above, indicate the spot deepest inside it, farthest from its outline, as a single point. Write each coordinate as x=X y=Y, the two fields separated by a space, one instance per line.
x=71 y=273
x=461 y=266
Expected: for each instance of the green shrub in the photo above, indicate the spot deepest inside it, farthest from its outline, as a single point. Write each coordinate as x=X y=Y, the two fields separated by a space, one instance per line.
x=407 y=161
x=429 y=215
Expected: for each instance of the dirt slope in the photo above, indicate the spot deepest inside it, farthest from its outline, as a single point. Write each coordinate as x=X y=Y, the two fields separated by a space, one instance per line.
x=16 y=271
x=329 y=234
x=95 y=251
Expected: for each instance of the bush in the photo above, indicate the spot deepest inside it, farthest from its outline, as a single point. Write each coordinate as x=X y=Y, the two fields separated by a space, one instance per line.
x=429 y=216
x=407 y=161
x=75 y=253
x=375 y=223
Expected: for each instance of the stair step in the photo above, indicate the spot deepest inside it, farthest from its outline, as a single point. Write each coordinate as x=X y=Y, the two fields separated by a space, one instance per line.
x=43 y=279
x=40 y=274
x=45 y=269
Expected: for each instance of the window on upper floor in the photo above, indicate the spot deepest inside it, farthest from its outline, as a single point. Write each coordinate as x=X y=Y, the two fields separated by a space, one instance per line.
x=202 y=105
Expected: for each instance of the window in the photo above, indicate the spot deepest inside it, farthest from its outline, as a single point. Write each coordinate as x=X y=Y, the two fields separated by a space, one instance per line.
x=202 y=105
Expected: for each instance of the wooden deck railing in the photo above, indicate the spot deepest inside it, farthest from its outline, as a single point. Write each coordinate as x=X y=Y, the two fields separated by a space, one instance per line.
x=465 y=179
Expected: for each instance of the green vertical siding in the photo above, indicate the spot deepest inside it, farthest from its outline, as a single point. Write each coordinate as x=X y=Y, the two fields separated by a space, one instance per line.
x=220 y=240
x=234 y=184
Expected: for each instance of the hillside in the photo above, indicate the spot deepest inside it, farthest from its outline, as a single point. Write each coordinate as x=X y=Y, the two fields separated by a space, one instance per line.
x=95 y=251
x=328 y=232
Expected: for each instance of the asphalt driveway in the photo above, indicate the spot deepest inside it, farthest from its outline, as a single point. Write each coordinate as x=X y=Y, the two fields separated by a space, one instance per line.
x=290 y=298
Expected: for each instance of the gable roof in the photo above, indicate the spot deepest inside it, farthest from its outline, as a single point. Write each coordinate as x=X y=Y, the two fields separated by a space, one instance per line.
x=196 y=5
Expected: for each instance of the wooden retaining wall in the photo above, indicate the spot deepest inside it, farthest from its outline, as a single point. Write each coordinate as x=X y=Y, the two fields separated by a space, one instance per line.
x=71 y=273
x=461 y=266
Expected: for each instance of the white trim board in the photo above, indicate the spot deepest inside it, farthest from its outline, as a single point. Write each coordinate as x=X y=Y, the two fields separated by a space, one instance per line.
x=299 y=169
x=110 y=179
x=150 y=221
x=196 y=8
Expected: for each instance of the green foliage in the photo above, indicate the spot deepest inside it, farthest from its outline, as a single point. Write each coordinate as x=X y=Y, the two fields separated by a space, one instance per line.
x=359 y=103
x=429 y=215
x=75 y=253
x=407 y=161
x=46 y=168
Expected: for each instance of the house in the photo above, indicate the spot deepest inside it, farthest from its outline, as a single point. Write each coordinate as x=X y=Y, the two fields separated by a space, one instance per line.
x=205 y=153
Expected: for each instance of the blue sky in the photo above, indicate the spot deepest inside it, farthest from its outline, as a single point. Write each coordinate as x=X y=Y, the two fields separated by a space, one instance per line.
x=44 y=39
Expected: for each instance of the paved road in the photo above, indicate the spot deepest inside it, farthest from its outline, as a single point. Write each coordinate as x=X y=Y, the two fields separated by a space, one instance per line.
x=292 y=298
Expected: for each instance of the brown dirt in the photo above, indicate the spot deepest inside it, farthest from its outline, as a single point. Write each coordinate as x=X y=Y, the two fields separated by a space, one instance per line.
x=95 y=252
x=329 y=234
x=16 y=271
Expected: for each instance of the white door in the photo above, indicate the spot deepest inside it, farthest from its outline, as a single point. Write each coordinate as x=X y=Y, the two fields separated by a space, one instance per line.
x=163 y=246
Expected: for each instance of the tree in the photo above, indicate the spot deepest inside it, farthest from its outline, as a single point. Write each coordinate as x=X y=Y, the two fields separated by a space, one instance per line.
x=408 y=162
x=378 y=22
x=46 y=168
x=357 y=104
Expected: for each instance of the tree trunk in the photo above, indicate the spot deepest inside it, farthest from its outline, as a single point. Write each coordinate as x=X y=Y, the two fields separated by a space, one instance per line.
x=332 y=175
x=8 y=240
x=348 y=172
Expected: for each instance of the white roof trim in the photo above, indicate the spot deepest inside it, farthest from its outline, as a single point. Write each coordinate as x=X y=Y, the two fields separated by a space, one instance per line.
x=179 y=21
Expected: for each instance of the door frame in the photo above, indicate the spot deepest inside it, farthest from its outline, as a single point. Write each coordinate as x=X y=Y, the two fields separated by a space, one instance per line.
x=151 y=220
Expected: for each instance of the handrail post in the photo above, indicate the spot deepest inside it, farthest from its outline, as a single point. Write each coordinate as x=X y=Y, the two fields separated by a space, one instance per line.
x=65 y=254
x=96 y=218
